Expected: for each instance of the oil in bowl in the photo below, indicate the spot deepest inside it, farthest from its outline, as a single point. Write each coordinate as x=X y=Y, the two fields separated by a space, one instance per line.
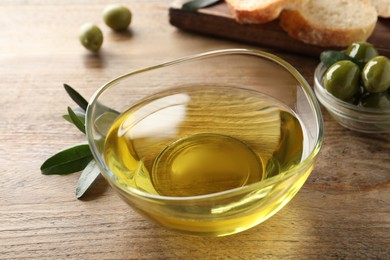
x=200 y=140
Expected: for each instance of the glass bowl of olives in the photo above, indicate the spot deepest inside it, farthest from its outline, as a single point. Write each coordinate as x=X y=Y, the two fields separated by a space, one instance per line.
x=354 y=86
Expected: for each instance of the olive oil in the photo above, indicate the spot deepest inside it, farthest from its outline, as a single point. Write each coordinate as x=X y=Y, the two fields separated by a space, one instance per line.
x=205 y=163
x=199 y=140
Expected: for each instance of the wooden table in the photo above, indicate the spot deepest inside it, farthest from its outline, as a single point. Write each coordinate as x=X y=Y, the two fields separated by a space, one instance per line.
x=342 y=212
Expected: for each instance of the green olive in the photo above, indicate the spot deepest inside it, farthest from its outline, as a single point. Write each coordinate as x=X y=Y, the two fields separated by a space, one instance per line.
x=342 y=80
x=376 y=100
x=91 y=37
x=117 y=17
x=361 y=51
x=376 y=74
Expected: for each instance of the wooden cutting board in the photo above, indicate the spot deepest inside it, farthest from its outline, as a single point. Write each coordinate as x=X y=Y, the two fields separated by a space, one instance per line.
x=218 y=21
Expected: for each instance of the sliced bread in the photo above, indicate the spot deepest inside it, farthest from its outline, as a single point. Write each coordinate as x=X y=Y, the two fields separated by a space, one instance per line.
x=330 y=23
x=260 y=11
x=382 y=7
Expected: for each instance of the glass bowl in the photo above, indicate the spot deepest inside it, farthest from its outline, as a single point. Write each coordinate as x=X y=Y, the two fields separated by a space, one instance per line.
x=210 y=144
x=353 y=117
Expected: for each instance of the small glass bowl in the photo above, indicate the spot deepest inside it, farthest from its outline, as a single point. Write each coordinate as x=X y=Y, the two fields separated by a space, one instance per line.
x=353 y=117
x=229 y=211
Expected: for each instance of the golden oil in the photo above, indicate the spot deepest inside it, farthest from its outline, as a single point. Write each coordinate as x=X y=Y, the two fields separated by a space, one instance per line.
x=202 y=139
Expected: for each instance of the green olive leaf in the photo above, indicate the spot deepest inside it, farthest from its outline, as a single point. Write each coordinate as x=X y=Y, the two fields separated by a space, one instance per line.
x=87 y=177
x=79 y=113
x=328 y=58
x=273 y=167
x=82 y=102
x=76 y=120
x=197 y=4
x=288 y=153
x=79 y=157
x=104 y=122
x=67 y=161
x=100 y=109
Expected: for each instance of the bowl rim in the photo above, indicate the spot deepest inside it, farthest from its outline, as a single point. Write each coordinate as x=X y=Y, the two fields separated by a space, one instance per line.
x=307 y=162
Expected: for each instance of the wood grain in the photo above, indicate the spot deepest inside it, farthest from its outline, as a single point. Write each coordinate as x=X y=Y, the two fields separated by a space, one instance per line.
x=342 y=212
x=218 y=21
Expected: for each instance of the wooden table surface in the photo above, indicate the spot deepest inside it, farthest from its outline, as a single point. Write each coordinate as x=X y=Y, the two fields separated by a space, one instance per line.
x=342 y=212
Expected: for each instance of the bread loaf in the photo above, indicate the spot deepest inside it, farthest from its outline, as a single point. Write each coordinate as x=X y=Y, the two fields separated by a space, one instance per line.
x=260 y=11
x=382 y=7
x=330 y=23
